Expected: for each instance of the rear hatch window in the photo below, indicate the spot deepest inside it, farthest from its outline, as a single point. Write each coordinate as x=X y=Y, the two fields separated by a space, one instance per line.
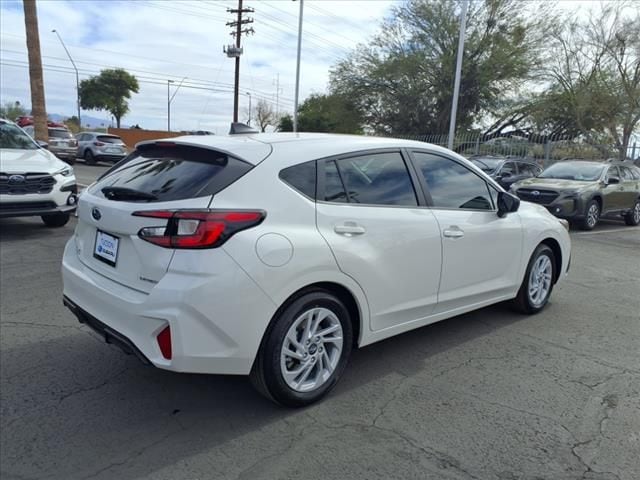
x=110 y=139
x=59 y=133
x=162 y=174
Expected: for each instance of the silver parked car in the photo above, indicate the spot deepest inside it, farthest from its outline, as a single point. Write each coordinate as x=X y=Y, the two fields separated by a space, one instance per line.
x=94 y=146
x=61 y=142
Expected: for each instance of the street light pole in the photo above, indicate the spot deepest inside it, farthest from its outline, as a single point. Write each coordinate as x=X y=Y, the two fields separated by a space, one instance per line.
x=170 y=99
x=169 y=82
x=249 y=121
x=295 y=102
x=456 y=83
x=77 y=76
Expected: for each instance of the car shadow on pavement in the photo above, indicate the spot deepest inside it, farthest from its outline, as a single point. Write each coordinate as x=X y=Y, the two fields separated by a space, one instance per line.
x=103 y=413
x=31 y=228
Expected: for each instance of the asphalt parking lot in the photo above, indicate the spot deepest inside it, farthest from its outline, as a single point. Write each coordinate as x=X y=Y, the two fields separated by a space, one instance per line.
x=487 y=395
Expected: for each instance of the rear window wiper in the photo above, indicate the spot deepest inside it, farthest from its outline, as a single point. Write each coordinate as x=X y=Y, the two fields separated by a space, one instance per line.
x=124 y=193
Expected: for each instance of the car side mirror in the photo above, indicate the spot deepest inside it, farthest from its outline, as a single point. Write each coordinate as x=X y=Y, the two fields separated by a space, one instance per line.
x=507 y=203
x=42 y=144
x=613 y=180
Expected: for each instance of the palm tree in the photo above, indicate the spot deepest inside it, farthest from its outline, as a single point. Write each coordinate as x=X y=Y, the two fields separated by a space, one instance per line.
x=38 y=109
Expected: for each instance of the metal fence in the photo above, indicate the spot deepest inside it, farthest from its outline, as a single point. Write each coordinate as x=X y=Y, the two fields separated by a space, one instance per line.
x=543 y=150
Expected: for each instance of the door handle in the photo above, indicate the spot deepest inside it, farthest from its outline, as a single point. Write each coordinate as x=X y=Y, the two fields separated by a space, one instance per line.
x=453 y=232
x=349 y=228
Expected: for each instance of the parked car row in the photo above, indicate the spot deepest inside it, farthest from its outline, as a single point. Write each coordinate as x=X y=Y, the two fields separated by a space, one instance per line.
x=577 y=190
x=33 y=181
x=92 y=146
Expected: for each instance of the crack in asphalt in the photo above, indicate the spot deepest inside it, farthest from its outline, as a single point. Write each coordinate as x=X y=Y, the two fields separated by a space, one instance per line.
x=129 y=458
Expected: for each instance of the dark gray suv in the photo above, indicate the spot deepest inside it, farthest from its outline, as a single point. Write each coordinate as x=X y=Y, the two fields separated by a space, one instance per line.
x=583 y=191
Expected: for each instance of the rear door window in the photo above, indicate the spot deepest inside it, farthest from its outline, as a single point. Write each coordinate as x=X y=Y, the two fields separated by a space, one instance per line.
x=626 y=174
x=377 y=179
x=164 y=174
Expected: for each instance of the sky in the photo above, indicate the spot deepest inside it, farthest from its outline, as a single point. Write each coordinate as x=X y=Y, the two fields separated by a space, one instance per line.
x=157 y=40
x=160 y=40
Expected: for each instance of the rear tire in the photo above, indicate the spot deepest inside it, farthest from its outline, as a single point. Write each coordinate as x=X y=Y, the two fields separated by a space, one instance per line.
x=56 y=220
x=633 y=217
x=89 y=158
x=538 y=281
x=297 y=363
x=592 y=216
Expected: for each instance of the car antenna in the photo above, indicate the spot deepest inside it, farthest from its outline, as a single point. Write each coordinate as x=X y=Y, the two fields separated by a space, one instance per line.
x=238 y=128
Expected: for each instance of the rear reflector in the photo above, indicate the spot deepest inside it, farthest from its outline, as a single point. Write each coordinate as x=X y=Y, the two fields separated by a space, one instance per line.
x=197 y=228
x=164 y=342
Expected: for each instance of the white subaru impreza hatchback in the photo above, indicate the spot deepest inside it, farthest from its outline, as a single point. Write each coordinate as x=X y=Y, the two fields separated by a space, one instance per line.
x=275 y=254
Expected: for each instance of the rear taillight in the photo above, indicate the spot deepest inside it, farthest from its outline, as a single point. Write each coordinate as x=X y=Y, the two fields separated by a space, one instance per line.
x=99 y=144
x=197 y=228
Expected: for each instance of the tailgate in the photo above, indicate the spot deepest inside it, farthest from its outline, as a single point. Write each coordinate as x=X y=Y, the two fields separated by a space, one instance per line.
x=110 y=245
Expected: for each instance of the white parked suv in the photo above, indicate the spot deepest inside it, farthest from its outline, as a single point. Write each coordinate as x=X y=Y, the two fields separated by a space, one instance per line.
x=33 y=182
x=275 y=254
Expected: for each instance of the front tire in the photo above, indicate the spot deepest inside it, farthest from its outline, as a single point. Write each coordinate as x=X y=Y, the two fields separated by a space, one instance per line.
x=592 y=216
x=56 y=220
x=305 y=351
x=537 y=284
x=633 y=217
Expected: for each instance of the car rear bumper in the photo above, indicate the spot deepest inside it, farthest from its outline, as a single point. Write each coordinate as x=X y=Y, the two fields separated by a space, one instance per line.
x=216 y=320
x=64 y=152
x=110 y=157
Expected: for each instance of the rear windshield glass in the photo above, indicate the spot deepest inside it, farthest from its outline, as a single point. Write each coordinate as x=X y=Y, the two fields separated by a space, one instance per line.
x=106 y=139
x=60 y=133
x=162 y=174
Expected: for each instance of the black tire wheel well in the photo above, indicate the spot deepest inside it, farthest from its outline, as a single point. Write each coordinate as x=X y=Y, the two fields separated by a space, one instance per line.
x=557 y=256
x=598 y=199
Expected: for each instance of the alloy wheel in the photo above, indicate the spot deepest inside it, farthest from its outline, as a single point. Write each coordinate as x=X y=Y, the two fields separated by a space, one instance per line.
x=592 y=215
x=540 y=280
x=311 y=349
x=636 y=213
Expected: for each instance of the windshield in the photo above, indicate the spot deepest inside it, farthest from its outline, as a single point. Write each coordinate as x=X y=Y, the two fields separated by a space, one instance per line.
x=486 y=164
x=59 y=133
x=12 y=136
x=580 y=171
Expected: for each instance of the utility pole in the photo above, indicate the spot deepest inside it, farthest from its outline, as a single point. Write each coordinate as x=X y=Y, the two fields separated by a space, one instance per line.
x=234 y=51
x=295 y=102
x=456 y=82
x=277 y=95
x=36 y=78
x=77 y=76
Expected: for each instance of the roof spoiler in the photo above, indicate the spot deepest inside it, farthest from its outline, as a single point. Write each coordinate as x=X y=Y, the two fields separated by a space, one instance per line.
x=238 y=128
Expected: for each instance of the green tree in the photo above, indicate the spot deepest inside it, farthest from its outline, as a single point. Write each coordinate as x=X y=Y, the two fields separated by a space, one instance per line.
x=73 y=124
x=12 y=110
x=402 y=80
x=285 y=124
x=109 y=91
x=332 y=113
x=596 y=73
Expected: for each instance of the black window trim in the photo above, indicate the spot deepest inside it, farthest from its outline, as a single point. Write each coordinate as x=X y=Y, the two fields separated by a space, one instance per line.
x=423 y=183
x=321 y=174
x=307 y=197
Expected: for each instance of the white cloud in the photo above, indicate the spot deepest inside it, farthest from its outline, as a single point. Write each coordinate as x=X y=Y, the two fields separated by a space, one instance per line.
x=159 y=40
